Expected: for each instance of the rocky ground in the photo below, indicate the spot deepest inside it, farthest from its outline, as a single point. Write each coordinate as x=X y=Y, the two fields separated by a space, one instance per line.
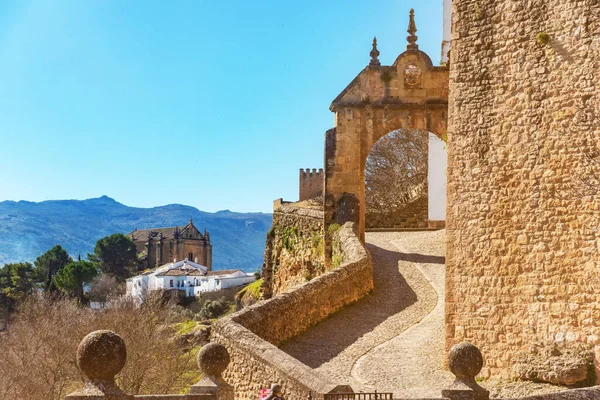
x=393 y=340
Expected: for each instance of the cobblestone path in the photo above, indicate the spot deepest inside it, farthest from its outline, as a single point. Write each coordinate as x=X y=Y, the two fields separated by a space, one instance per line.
x=392 y=340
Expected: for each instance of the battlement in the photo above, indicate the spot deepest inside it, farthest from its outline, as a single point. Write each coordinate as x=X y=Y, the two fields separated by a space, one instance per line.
x=311 y=171
x=311 y=183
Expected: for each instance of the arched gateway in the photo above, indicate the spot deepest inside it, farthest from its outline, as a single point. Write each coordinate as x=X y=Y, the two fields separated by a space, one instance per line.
x=411 y=93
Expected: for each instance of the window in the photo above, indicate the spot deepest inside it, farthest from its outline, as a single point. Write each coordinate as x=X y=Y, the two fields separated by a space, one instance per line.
x=171 y=282
x=191 y=256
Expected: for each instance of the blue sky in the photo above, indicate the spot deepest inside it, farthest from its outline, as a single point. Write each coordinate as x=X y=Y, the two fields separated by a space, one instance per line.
x=213 y=104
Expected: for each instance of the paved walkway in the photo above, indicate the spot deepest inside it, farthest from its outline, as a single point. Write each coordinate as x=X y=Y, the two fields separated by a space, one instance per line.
x=392 y=340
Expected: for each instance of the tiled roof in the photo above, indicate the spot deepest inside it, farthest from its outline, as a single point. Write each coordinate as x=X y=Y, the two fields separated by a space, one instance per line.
x=181 y=272
x=155 y=232
x=222 y=272
x=142 y=234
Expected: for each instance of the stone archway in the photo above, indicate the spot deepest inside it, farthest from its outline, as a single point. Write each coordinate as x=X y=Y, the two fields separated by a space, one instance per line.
x=396 y=181
x=411 y=93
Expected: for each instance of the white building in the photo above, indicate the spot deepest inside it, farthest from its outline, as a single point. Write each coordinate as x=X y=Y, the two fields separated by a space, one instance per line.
x=187 y=276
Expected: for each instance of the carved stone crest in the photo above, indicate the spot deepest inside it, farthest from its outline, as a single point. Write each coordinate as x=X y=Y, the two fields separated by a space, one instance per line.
x=412 y=76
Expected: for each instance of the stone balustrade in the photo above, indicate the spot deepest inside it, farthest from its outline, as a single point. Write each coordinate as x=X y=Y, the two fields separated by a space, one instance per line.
x=101 y=355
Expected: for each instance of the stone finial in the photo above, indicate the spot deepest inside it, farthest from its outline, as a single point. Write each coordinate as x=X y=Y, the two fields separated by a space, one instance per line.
x=374 y=54
x=100 y=356
x=465 y=362
x=412 y=29
x=213 y=360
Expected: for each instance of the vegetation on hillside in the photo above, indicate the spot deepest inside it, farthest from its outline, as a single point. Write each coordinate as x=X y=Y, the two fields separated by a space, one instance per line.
x=71 y=278
x=48 y=264
x=115 y=255
x=55 y=274
x=39 y=348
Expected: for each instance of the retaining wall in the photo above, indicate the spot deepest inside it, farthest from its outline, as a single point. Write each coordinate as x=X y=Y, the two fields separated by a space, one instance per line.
x=252 y=334
x=294 y=251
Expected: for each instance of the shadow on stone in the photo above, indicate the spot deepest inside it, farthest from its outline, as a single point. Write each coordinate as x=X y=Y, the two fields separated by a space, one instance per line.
x=328 y=339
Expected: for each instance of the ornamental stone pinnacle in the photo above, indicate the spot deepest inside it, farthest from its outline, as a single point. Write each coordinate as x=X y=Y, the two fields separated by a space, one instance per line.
x=412 y=29
x=374 y=54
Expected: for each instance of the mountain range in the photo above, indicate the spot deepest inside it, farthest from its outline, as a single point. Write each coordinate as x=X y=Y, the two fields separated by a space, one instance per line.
x=28 y=229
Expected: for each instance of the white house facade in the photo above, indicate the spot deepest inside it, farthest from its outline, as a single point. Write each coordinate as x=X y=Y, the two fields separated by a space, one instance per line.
x=188 y=277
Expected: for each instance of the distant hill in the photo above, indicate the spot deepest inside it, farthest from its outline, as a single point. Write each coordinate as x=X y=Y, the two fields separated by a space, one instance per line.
x=28 y=229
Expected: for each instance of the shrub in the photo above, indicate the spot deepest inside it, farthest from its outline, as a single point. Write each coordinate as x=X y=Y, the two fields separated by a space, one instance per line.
x=38 y=350
x=337 y=260
x=333 y=228
x=215 y=308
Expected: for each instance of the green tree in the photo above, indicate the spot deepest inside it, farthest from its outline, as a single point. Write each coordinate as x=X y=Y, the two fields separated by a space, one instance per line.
x=115 y=255
x=71 y=278
x=48 y=264
x=215 y=308
x=16 y=283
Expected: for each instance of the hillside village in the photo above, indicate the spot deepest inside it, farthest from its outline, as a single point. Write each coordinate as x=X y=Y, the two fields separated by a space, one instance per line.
x=476 y=279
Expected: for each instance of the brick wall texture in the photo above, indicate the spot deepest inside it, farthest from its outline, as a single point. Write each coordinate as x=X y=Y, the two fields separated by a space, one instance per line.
x=523 y=238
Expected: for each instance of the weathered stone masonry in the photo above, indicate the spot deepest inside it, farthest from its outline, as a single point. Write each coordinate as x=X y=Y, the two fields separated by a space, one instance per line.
x=523 y=239
x=252 y=334
x=311 y=183
x=294 y=248
x=411 y=93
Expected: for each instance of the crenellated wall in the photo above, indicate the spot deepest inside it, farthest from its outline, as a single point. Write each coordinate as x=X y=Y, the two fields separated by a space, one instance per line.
x=523 y=244
x=252 y=334
x=311 y=183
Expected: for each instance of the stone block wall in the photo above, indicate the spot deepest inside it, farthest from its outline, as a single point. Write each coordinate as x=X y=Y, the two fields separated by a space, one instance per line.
x=311 y=183
x=523 y=244
x=294 y=251
x=412 y=215
x=252 y=334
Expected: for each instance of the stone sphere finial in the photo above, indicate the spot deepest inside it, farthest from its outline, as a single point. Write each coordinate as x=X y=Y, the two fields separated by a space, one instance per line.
x=465 y=360
x=101 y=355
x=213 y=359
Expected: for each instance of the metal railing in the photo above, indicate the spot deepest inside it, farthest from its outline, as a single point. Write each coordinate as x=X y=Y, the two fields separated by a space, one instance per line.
x=359 y=396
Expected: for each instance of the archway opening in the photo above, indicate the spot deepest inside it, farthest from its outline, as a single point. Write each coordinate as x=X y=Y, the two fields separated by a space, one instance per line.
x=396 y=181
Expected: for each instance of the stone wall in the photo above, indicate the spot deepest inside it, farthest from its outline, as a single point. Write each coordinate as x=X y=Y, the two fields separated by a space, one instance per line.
x=411 y=215
x=252 y=334
x=523 y=214
x=294 y=251
x=311 y=183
